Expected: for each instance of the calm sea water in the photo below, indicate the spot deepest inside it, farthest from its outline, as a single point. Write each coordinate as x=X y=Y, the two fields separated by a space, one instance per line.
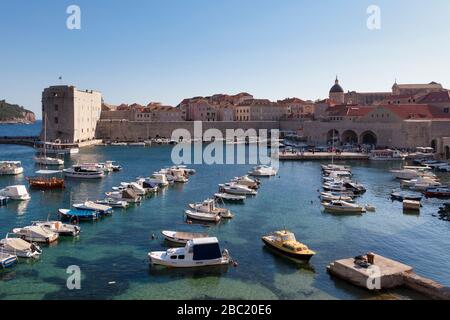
x=112 y=253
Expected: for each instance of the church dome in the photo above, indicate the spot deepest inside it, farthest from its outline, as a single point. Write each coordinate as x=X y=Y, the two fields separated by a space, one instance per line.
x=337 y=87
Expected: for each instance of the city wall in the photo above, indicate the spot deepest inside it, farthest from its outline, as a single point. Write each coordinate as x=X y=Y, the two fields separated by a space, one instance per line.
x=123 y=130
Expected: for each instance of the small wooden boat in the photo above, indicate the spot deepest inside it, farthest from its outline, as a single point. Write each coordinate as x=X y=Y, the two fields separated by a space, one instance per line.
x=202 y=216
x=182 y=237
x=7 y=260
x=229 y=197
x=43 y=183
x=285 y=243
x=78 y=215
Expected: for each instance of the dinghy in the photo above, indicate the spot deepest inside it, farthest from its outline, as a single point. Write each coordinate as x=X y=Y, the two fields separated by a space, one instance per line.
x=182 y=237
x=7 y=260
x=202 y=216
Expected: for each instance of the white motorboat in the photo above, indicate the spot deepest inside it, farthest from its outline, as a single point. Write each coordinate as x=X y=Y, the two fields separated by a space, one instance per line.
x=202 y=216
x=238 y=189
x=263 y=171
x=18 y=192
x=58 y=227
x=179 y=175
x=89 y=205
x=198 y=252
x=57 y=148
x=127 y=195
x=36 y=234
x=113 y=203
x=247 y=181
x=159 y=178
x=386 y=155
x=10 y=168
x=182 y=237
x=420 y=184
x=335 y=167
x=137 y=144
x=147 y=185
x=229 y=197
x=409 y=173
x=330 y=196
x=49 y=161
x=334 y=186
x=19 y=247
x=209 y=206
x=81 y=172
x=138 y=189
x=339 y=206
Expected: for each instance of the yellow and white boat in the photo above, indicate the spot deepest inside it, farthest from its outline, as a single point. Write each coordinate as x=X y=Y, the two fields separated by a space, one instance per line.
x=285 y=243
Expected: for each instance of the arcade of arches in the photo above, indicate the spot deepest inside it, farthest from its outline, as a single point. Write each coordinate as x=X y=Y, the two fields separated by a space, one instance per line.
x=351 y=137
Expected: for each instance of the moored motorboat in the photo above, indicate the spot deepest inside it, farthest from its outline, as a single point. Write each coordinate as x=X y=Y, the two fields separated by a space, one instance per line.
x=19 y=247
x=113 y=203
x=36 y=234
x=330 y=196
x=247 y=181
x=263 y=171
x=58 y=227
x=78 y=215
x=81 y=172
x=92 y=206
x=339 y=206
x=10 y=168
x=439 y=192
x=48 y=161
x=17 y=192
x=400 y=196
x=209 y=206
x=199 y=252
x=180 y=237
x=202 y=216
x=159 y=178
x=226 y=197
x=285 y=243
x=238 y=189
x=127 y=195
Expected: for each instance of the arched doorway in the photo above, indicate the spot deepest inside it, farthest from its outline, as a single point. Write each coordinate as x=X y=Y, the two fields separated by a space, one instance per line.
x=369 y=138
x=447 y=152
x=434 y=145
x=350 y=137
x=333 y=136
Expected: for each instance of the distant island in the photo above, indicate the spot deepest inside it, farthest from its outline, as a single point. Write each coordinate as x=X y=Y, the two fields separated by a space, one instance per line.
x=13 y=113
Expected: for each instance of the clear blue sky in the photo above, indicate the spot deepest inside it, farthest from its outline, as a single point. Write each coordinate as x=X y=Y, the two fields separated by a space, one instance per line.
x=165 y=50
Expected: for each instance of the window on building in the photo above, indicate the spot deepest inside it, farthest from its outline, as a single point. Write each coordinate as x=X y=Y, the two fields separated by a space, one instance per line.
x=446 y=110
x=56 y=107
x=56 y=120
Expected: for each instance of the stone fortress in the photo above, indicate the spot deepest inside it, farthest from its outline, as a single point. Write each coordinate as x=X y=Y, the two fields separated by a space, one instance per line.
x=409 y=116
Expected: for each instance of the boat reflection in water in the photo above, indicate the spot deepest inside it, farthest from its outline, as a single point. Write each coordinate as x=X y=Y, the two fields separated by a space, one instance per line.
x=190 y=273
x=282 y=259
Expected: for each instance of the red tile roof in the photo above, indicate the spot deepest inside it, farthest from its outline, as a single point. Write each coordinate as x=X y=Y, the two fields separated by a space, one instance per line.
x=436 y=97
x=416 y=111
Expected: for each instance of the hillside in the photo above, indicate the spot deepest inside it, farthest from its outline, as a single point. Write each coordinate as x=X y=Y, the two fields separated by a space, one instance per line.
x=13 y=113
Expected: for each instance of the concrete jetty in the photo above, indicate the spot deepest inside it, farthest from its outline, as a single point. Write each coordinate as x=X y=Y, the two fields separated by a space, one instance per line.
x=305 y=156
x=385 y=273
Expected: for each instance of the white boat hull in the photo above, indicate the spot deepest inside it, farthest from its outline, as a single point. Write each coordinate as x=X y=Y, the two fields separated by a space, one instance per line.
x=160 y=258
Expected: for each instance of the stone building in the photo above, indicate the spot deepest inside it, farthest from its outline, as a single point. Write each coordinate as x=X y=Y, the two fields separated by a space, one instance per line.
x=259 y=110
x=296 y=109
x=71 y=115
x=415 y=89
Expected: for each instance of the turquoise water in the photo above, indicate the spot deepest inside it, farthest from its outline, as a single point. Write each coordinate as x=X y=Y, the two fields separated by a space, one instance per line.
x=112 y=253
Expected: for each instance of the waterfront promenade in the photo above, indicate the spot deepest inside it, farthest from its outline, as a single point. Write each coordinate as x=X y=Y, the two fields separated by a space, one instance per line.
x=323 y=156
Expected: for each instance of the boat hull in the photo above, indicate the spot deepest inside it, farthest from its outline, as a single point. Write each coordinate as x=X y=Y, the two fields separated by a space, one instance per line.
x=297 y=256
x=156 y=258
